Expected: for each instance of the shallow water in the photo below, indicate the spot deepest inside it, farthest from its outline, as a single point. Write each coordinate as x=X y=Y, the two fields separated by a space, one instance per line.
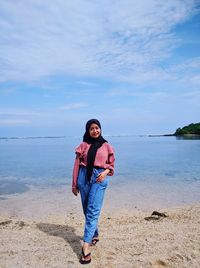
x=167 y=163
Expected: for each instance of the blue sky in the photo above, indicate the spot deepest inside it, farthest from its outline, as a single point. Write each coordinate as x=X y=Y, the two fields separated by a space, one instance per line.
x=134 y=65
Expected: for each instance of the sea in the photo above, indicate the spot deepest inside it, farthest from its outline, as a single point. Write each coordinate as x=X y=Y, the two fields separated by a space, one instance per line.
x=163 y=162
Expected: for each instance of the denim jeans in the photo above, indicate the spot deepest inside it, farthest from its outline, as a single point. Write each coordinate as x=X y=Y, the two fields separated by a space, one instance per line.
x=92 y=195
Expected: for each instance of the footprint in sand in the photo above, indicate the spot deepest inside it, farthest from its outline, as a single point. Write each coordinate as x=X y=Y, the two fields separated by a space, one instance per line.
x=111 y=255
x=70 y=264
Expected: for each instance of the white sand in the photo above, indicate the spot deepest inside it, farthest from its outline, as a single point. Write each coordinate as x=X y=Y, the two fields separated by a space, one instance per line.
x=44 y=229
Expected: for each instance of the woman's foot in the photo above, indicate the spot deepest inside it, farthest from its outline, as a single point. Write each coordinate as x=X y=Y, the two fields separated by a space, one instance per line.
x=94 y=241
x=86 y=254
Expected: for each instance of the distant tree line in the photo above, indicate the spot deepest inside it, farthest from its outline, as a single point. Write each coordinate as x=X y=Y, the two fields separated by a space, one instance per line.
x=190 y=129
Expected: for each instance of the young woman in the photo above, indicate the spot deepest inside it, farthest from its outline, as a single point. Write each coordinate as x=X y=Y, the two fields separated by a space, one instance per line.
x=94 y=161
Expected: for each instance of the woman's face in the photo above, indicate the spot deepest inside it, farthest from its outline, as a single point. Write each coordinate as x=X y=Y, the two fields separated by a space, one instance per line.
x=94 y=131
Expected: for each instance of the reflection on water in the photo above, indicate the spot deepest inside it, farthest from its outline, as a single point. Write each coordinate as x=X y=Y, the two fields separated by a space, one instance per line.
x=188 y=137
x=45 y=162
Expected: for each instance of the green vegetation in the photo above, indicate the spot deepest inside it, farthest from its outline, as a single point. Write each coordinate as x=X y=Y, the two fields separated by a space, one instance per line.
x=190 y=129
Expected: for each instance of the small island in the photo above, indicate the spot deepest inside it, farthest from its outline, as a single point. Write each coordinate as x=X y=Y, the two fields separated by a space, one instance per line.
x=191 y=129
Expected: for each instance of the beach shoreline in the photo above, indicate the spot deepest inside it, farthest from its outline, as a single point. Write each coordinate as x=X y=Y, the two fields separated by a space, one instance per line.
x=30 y=200
x=44 y=228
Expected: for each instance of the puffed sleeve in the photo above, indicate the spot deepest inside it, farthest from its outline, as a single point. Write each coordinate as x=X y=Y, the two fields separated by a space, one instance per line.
x=79 y=152
x=79 y=149
x=111 y=160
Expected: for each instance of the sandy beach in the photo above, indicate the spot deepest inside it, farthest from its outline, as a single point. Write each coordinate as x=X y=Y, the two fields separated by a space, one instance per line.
x=44 y=229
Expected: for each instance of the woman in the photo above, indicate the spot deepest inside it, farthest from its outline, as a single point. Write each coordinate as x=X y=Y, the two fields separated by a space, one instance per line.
x=94 y=161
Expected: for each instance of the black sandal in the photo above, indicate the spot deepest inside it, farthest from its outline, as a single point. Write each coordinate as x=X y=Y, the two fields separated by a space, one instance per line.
x=85 y=256
x=95 y=241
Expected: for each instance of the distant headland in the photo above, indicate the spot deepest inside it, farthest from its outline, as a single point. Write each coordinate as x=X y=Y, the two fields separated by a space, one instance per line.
x=190 y=130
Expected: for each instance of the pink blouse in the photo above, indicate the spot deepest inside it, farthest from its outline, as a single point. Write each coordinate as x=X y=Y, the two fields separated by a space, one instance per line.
x=104 y=159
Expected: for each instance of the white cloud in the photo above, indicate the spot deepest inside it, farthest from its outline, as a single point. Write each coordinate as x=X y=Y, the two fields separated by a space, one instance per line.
x=86 y=83
x=120 y=39
x=181 y=76
x=14 y=122
x=43 y=117
x=19 y=112
x=73 y=106
x=187 y=72
x=23 y=117
x=128 y=92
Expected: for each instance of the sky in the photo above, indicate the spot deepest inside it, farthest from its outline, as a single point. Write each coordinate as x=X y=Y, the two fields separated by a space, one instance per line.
x=134 y=65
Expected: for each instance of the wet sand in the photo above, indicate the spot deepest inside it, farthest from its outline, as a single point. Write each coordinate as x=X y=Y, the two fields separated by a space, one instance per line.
x=44 y=228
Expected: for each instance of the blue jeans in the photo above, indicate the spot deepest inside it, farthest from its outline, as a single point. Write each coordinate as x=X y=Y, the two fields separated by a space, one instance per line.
x=92 y=195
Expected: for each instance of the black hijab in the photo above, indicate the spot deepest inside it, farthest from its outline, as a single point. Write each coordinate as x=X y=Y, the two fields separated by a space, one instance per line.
x=96 y=143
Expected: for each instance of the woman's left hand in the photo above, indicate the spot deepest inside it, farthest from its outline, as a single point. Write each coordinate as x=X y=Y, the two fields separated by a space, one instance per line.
x=102 y=175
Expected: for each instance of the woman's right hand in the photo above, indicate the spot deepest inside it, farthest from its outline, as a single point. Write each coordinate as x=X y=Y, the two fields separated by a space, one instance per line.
x=75 y=191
